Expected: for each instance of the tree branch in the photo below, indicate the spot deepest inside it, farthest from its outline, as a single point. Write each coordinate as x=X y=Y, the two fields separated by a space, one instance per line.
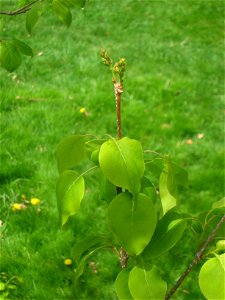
x=20 y=10
x=196 y=260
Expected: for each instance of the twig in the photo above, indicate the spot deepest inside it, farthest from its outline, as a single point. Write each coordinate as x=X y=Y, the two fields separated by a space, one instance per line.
x=196 y=260
x=20 y=10
x=118 y=90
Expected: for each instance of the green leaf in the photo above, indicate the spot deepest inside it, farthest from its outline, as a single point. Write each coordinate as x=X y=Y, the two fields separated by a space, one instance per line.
x=70 y=192
x=219 y=204
x=156 y=165
x=2 y=286
x=89 y=244
x=147 y=284
x=168 y=232
x=10 y=57
x=133 y=221
x=62 y=11
x=168 y=188
x=122 y=163
x=121 y=285
x=220 y=245
x=23 y=48
x=70 y=151
x=107 y=190
x=211 y=278
x=33 y=15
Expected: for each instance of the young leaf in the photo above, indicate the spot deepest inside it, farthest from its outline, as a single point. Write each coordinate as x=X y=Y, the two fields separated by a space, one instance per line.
x=168 y=188
x=33 y=15
x=70 y=192
x=122 y=163
x=133 y=221
x=10 y=57
x=147 y=284
x=87 y=245
x=121 y=285
x=211 y=278
x=23 y=48
x=62 y=11
x=70 y=151
x=168 y=232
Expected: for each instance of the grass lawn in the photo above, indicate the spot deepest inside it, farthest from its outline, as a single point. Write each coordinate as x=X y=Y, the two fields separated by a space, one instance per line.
x=172 y=103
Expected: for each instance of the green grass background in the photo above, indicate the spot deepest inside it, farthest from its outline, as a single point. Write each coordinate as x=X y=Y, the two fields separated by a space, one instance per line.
x=173 y=90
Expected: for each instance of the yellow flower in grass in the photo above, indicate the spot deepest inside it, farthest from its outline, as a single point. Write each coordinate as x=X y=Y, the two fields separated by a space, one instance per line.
x=17 y=207
x=82 y=110
x=23 y=197
x=68 y=262
x=35 y=201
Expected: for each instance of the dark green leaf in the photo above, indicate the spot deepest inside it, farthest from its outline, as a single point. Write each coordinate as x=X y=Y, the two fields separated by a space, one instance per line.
x=62 y=11
x=121 y=285
x=107 y=190
x=89 y=244
x=10 y=57
x=122 y=163
x=133 y=221
x=23 y=48
x=168 y=232
x=70 y=192
x=70 y=151
x=33 y=15
x=211 y=278
x=147 y=284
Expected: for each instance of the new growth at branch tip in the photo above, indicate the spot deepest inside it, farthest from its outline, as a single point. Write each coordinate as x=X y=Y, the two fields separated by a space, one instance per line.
x=119 y=67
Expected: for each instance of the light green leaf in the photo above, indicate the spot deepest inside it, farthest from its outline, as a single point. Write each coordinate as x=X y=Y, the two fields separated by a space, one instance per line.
x=121 y=285
x=219 y=204
x=23 y=48
x=2 y=286
x=62 y=11
x=33 y=15
x=168 y=232
x=70 y=151
x=133 y=221
x=220 y=245
x=10 y=57
x=87 y=245
x=168 y=188
x=70 y=192
x=122 y=163
x=212 y=278
x=147 y=284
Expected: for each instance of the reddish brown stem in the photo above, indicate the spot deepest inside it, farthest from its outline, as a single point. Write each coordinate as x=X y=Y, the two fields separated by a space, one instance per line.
x=196 y=260
x=118 y=90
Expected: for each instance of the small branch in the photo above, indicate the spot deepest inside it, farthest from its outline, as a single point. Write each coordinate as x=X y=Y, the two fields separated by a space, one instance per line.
x=20 y=10
x=196 y=260
x=118 y=90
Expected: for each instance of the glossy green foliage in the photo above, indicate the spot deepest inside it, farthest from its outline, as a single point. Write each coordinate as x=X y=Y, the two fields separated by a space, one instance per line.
x=70 y=192
x=121 y=285
x=122 y=163
x=168 y=232
x=33 y=15
x=11 y=52
x=146 y=283
x=168 y=187
x=132 y=220
x=71 y=151
x=212 y=278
